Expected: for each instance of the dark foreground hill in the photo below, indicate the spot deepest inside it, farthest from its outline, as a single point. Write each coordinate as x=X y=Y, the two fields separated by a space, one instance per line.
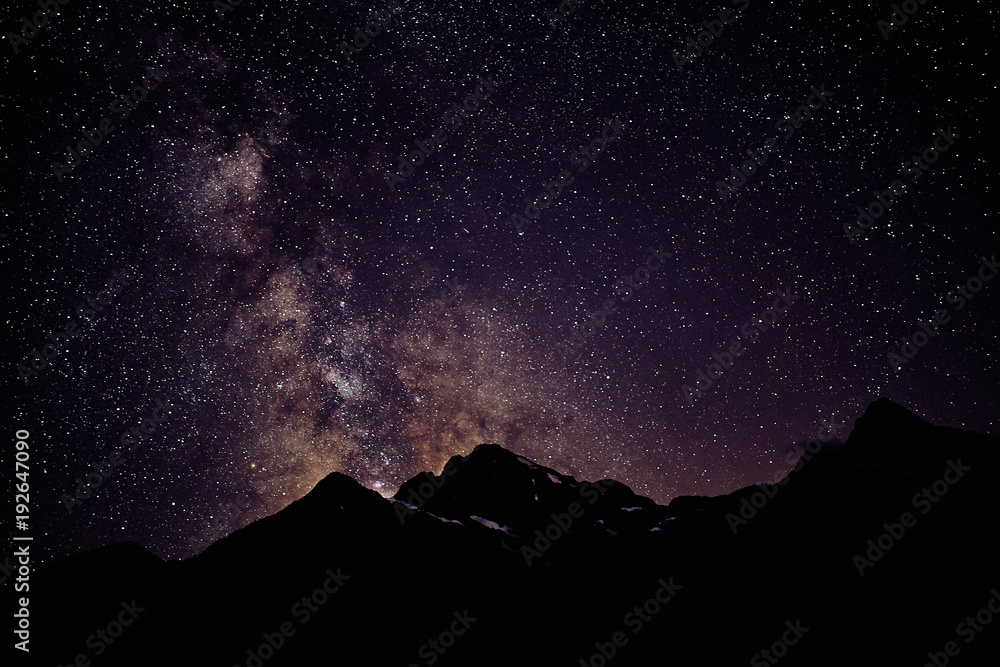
x=874 y=554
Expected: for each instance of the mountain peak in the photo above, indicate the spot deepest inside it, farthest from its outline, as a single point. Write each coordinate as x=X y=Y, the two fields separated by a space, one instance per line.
x=886 y=417
x=337 y=482
x=887 y=433
x=886 y=409
x=498 y=487
x=491 y=454
x=340 y=490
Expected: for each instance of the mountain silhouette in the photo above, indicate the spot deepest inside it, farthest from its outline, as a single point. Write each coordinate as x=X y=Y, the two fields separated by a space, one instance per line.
x=501 y=561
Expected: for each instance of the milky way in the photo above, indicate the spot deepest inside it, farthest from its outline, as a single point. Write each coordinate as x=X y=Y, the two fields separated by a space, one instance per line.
x=304 y=317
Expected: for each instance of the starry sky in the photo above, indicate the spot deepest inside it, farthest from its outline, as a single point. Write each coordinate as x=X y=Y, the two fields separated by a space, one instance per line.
x=283 y=296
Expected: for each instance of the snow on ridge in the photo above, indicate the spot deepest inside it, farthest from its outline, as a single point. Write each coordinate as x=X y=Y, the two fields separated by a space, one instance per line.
x=554 y=478
x=491 y=524
x=486 y=522
x=632 y=509
x=526 y=462
x=445 y=520
x=405 y=504
x=417 y=509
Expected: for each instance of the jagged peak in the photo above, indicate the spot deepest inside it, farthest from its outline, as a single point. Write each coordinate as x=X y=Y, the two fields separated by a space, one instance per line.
x=337 y=481
x=492 y=453
x=885 y=419
x=339 y=489
x=886 y=410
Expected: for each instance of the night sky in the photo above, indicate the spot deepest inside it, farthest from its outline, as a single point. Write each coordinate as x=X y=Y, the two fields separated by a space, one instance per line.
x=279 y=295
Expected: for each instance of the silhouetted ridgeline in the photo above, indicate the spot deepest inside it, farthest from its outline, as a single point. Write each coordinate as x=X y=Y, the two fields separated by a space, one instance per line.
x=873 y=554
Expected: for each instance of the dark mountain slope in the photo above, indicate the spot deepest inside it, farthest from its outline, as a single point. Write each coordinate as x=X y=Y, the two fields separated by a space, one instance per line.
x=456 y=547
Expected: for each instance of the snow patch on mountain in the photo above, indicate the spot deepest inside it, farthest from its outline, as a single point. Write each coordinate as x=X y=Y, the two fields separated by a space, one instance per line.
x=492 y=524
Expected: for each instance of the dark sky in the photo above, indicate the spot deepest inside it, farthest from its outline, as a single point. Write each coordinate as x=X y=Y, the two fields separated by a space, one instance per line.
x=286 y=298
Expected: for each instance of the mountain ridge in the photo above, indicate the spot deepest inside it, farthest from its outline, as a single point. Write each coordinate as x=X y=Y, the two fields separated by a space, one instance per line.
x=521 y=548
